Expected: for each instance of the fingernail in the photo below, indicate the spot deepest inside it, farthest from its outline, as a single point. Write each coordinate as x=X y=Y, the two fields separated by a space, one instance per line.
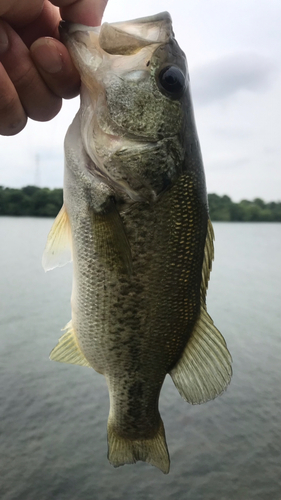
x=4 y=40
x=46 y=54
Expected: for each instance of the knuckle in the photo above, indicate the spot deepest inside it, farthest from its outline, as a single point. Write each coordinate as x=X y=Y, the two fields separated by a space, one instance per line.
x=13 y=118
x=38 y=100
x=24 y=79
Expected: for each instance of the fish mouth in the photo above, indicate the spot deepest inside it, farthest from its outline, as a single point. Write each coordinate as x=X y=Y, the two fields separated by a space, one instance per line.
x=66 y=29
x=123 y=38
x=90 y=46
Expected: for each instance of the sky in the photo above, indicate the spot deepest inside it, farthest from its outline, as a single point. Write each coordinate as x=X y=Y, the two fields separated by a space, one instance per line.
x=233 y=49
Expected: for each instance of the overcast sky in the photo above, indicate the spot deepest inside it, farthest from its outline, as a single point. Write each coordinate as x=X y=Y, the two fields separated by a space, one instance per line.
x=233 y=48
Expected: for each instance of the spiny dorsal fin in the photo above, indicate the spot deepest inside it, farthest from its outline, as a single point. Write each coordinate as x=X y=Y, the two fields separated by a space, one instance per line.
x=67 y=350
x=207 y=261
x=204 y=370
x=111 y=241
x=57 y=252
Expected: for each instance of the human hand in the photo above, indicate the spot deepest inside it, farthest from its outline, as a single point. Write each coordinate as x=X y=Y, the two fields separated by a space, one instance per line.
x=36 y=70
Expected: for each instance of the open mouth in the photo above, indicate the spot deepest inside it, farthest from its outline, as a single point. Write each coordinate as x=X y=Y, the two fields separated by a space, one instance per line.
x=122 y=38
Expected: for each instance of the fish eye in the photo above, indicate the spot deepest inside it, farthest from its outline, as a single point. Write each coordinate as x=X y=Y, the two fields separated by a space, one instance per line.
x=171 y=82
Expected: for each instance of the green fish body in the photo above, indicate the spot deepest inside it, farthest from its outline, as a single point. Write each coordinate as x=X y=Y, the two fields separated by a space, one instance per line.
x=135 y=217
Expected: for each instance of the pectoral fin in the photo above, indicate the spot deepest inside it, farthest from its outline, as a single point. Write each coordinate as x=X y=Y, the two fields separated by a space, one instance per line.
x=204 y=370
x=67 y=350
x=57 y=252
x=111 y=241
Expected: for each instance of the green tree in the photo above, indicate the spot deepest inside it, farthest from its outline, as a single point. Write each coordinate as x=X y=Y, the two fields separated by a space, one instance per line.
x=45 y=202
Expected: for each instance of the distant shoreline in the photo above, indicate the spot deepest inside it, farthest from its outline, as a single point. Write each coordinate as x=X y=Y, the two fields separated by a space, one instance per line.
x=33 y=201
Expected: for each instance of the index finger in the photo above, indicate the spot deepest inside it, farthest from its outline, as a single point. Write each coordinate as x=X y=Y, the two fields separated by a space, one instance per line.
x=87 y=12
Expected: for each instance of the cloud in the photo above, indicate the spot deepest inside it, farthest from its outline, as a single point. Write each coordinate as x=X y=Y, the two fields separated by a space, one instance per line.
x=230 y=74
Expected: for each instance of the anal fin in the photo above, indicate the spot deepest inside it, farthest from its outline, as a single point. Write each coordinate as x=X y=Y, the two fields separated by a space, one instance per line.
x=67 y=350
x=204 y=369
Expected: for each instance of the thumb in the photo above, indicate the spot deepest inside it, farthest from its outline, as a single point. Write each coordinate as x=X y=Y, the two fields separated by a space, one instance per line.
x=87 y=12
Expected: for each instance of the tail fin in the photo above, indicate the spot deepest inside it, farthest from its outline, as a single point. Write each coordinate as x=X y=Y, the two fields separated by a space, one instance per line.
x=123 y=451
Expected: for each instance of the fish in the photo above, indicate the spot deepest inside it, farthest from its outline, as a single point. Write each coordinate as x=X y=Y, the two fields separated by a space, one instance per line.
x=136 y=225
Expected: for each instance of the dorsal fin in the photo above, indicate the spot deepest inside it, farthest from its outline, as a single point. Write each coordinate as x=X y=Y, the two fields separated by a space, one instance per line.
x=208 y=259
x=204 y=369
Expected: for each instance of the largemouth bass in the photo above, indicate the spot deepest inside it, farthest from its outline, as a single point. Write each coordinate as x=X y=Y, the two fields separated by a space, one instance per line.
x=135 y=217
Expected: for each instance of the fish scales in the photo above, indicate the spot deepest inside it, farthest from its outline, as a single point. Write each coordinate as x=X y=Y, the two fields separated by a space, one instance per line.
x=139 y=320
x=136 y=217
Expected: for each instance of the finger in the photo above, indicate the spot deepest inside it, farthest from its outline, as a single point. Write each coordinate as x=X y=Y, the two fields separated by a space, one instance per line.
x=53 y=62
x=12 y=115
x=20 y=12
x=87 y=12
x=37 y=100
x=46 y=24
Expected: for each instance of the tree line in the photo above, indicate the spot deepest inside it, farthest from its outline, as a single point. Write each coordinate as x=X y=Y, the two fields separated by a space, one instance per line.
x=45 y=202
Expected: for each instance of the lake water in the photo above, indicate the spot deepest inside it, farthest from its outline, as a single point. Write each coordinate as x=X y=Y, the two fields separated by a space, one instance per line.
x=53 y=416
